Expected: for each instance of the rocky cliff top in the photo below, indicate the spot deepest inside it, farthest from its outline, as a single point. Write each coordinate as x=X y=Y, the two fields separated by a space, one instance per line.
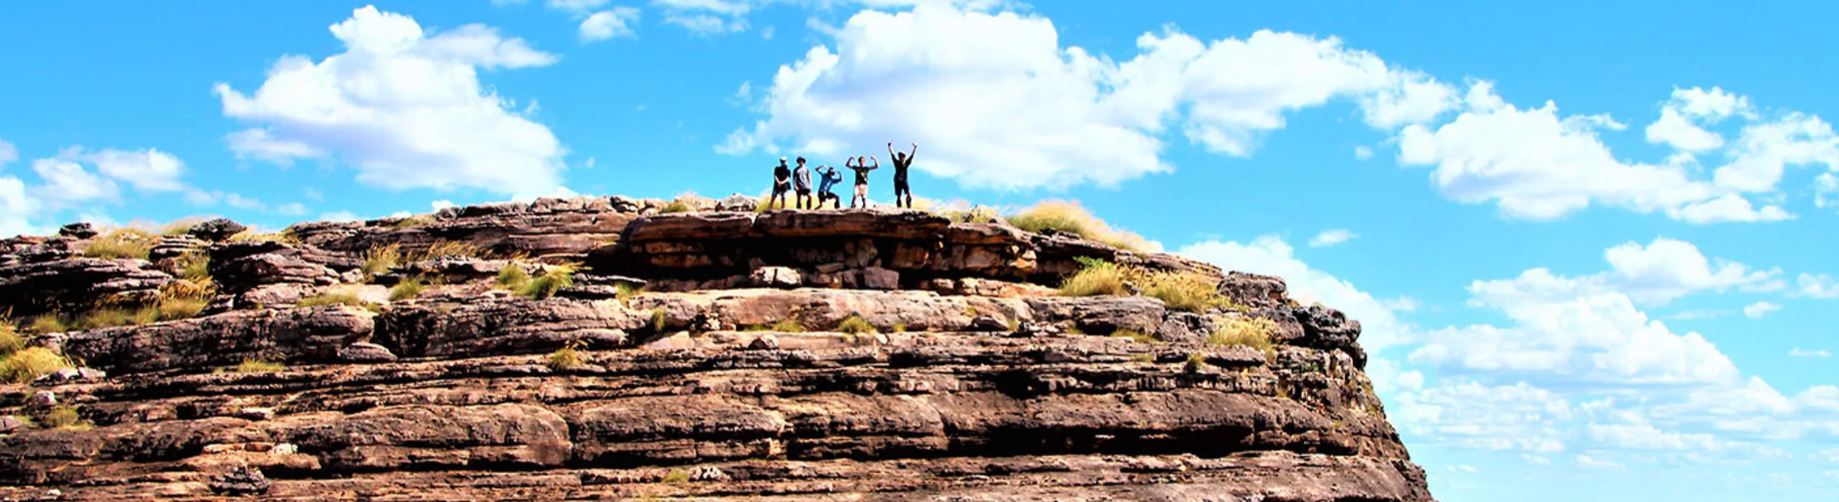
x=616 y=348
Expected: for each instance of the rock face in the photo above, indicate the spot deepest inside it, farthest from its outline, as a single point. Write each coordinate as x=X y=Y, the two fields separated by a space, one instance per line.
x=806 y=355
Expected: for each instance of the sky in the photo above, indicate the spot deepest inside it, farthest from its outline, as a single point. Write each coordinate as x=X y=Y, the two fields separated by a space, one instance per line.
x=1590 y=244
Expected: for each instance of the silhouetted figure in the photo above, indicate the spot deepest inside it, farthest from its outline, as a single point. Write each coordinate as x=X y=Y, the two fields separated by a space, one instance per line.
x=901 y=162
x=862 y=180
x=801 y=184
x=782 y=181
x=829 y=180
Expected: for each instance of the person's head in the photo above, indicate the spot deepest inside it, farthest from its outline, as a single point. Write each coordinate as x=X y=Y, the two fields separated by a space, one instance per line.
x=900 y=156
x=801 y=161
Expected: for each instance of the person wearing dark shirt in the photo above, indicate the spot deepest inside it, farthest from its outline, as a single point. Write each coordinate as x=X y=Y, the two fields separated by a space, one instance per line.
x=830 y=179
x=862 y=168
x=801 y=184
x=782 y=181
x=902 y=161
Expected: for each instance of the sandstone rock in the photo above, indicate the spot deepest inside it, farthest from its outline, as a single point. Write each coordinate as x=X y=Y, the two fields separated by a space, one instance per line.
x=296 y=335
x=241 y=480
x=987 y=323
x=1102 y=315
x=243 y=266
x=76 y=284
x=504 y=324
x=256 y=413
x=23 y=250
x=43 y=399
x=9 y=424
x=738 y=202
x=216 y=230
x=544 y=227
x=1254 y=291
x=363 y=353
x=80 y=230
x=1184 y=327
x=170 y=248
x=69 y=375
x=776 y=277
x=765 y=342
x=624 y=204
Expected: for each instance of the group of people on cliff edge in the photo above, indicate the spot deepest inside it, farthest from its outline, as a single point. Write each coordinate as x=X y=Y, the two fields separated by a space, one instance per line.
x=797 y=180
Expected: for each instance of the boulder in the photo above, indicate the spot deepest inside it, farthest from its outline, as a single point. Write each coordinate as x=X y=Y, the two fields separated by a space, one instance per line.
x=547 y=226
x=80 y=230
x=216 y=230
x=1254 y=291
x=77 y=284
x=241 y=480
x=1102 y=315
x=775 y=277
x=738 y=203
x=363 y=353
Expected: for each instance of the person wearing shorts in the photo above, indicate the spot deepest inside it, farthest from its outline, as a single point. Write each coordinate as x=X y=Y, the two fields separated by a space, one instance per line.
x=801 y=184
x=782 y=181
x=861 y=168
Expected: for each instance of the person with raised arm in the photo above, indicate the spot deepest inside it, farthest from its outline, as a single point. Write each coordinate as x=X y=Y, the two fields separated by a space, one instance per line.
x=861 y=168
x=829 y=180
x=902 y=161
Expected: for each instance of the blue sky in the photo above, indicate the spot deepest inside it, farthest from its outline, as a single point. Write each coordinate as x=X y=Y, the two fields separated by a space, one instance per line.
x=1590 y=243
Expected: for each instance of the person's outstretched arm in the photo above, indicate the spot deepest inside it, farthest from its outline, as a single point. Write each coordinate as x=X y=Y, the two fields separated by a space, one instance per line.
x=877 y=163
x=890 y=149
x=914 y=152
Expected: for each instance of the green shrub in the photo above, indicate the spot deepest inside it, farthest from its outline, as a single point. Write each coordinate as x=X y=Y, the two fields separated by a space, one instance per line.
x=323 y=299
x=122 y=243
x=380 y=259
x=513 y=277
x=677 y=476
x=48 y=323
x=546 y=285
x=1254 y=332
x=32 y=362
x=900 y=327
x=1070 y=217
x=567 y=357
x=1186 y=291
x=856 y=325
x=65 y=417
x=109 y=317
x=259 y=366
x=624 y=292
x=1097 y=278
x=407 y=289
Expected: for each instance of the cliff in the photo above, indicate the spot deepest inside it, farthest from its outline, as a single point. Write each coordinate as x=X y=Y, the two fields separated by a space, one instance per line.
x=593 y=348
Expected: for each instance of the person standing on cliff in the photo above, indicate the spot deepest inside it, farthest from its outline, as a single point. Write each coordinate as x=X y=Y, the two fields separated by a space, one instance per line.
x=901 y=162
x=830 y=179
x=862 y=168
x=801 y=184
x=782 y=181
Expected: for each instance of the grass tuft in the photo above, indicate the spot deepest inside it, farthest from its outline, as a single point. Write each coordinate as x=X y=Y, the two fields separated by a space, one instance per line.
x=195 y=266
x=408 y=289
x=1097 y=278
x=122 y=243
x=900 y=327
x=414 y=221
x=449 y=249
x=1254 y=332
x=658 y=320
x=677 y=476
x=782 y=326
x=65 y=418
x=546 y=285
x=856 y=325
x=567 y=357
x=1072 y=218
x=624 y=292
x=324 y=299
x=513 y=277
x=255 y=236
x=380 y=259
x=10 y=341
x=48 y=323
x=1124 y=333
x=1195 y=363
x=29 y=363
x=174 y=308
x=259 y=366
x=181 y=226
x=1186 y=291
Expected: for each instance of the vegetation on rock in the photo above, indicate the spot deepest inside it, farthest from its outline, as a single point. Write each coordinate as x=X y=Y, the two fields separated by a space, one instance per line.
x=122 y=243
x=567 y=357
x=546 y=285
x=29 y=363
x=855 y=325
x=259 y=366
x=1097 y=278
x=407 y=289
x=65 y=418
x=1244 y=331
x=1072 y=218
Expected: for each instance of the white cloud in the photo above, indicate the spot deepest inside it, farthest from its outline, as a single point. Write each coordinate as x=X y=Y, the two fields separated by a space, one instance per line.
x=292 y=209
x=1817 y=286
x=404 y=108
x=1270 y=255
x=8 y=153
x=1535 y=459
x=1800 y=352
x=1403 y=304
x=1759 y=309
x=1535 y=164
x=1363 y=152
x=1680 y=119
x=1666 y=269
x=1590 y=462
x=1826 y=190
x=1764 y=150
x=705 y=24
x=997 y=102
x=68 y=183
x=441 y=204
x=1472 y=415
x=1331 y=237
x=609 y=23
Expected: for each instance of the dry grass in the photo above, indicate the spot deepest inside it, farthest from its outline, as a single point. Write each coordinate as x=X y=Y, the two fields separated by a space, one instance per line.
x=259 y=366
x=116 y=316
x=624 y=292
x=29 y=363
x=180 y=226
x=446 y=248
x=48 y=323
x=195 y=266
x=513 y=277
x=1133 y=335
x=681 y=204
x=10 y=341
x=1195 y=363
x=414 y=221
x=658 y=320
x=257 y=236
x=323 y=299
x=122 y=243
x=1097 y=278
x=407 y=289
x=782 y=326
x=1254 y=332
x=1072 y=218
x=179 y=308
x=855 y=325
x=380 y=259
x=958 y=210
x=1186 y=291
x=677 y=476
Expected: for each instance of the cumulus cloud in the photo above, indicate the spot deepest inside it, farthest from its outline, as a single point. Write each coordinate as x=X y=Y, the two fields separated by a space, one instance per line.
x=1759 y=309
x=1590 y=462
x=78 y=178
x=1270 y=255
x=606 y=24
x=1680 y=118
x=1331 y=237
x=1817 y=286
x=402 y=106
x=1363 y=152
x=1473 y=415
x=998 y=102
